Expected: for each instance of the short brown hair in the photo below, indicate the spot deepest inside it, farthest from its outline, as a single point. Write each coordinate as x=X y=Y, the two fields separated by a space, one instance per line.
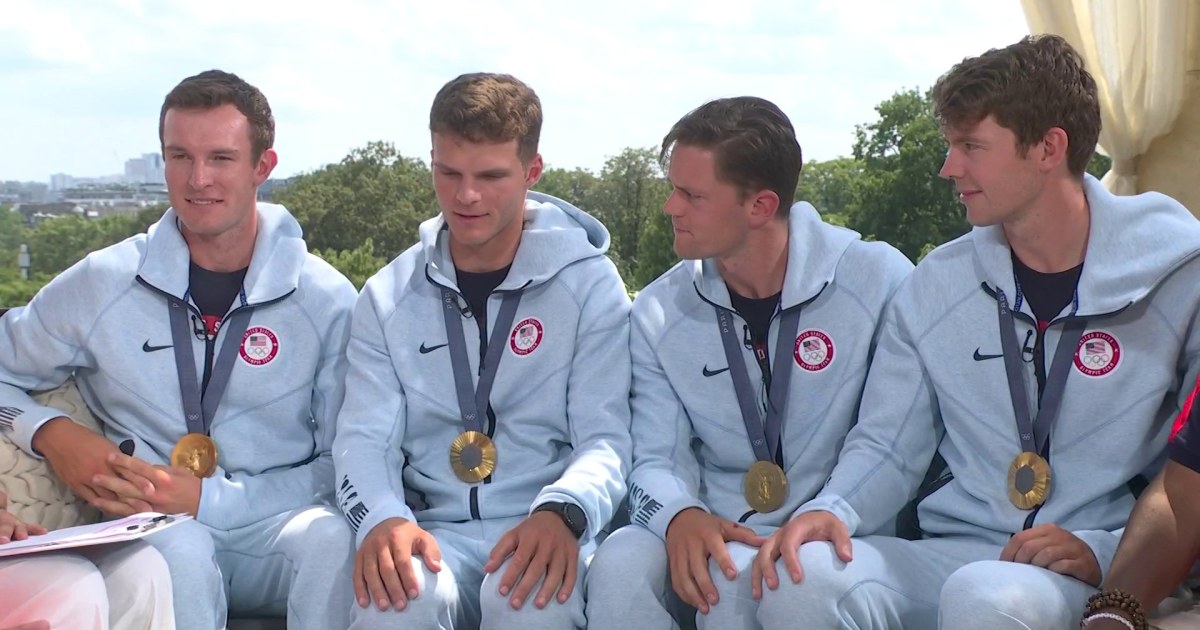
x=486 y=107
x=1030 y=87
x=213 y=88
x=752 y=140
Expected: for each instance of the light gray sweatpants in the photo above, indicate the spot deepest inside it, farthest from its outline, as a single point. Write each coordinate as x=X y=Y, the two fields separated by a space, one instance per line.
x=297 y=564
x=122 y=586
x=461 y=596
x=891 y=584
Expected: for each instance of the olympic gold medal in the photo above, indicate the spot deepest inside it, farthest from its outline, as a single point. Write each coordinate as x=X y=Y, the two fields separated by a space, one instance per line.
x=1028 y=481
x=765 y=487
x=472 y=456
x=197 y=453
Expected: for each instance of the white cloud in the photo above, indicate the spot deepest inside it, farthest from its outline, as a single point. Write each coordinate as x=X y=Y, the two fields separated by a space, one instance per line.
x=85 y=79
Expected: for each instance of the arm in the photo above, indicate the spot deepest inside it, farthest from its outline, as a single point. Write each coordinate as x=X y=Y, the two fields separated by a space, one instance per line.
x=236 y=500
x=371 y=424
x=666 y=475
x=597 y=405
x=898 y=431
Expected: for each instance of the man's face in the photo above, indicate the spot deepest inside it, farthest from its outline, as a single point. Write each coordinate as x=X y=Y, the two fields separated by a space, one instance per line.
x=710 y=217
x=994 y=182
x=481 y=190
x=212 y=177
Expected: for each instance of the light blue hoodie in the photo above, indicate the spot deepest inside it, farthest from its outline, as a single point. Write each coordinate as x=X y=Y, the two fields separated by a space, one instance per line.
x=105 y=321
x=938 y=383
x=561 y=424
x=690 y=443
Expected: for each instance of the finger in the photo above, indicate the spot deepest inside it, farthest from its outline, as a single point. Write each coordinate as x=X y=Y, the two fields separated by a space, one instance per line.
x=138 y=506
x=7 y=526
x=554 y=578
x=756 y=577
x=112 y=507
x=505 y=546
x=390 y=566
x=698 y=566
x=1072 y=567
x=739 y=533
x=374 y=581
x=1031 y=548
x=766 y=562
x=430 y=553
x=401 y=555
x=117 y=459
x=118 y=486
x=36 y=530
x=1050 y=554
x=720 y=554
x=534 y=572
x=571 y=574
x=20 y=532
x=682 y=583
x=360 y=583
x=144 y=485
x=789 y=550
x=841 y=543
x=517 y=565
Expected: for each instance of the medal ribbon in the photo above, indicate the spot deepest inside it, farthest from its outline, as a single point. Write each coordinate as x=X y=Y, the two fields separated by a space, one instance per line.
x=473 y=401
x=199 y=408
x=764 y=440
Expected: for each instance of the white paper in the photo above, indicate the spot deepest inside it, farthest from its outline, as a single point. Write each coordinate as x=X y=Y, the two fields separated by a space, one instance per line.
x=121 y=530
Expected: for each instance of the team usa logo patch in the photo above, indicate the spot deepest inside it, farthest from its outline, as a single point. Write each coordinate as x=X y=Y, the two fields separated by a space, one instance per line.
x=814 y=350
x=526 y=336
x=1098 y=354
x=260 y=346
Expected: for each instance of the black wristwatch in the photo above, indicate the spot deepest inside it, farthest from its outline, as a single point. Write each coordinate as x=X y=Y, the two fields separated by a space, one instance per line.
x=570 y=513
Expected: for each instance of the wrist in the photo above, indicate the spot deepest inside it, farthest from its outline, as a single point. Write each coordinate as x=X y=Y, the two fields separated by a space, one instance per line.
x=570 y=514
x=46 y=435
x=1116 y=605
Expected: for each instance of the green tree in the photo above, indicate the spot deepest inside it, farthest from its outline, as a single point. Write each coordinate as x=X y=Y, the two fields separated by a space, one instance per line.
x=358 y=264
x=830 y=187
x=656 y=251
x=632 y=190
x=578 y=186
x=374 y=192
x=899 y=197
x=1099 y=165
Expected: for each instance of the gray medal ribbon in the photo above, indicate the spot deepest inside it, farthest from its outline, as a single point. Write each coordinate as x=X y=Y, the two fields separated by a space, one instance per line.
x=199 y=409
x=764 y=441
x=473 y=401
x=1033 y=434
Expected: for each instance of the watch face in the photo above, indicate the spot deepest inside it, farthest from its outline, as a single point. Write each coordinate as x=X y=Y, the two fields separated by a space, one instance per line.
x=576 y=519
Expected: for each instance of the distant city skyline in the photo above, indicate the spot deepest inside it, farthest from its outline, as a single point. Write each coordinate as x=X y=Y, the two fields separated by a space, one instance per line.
x=85 y=80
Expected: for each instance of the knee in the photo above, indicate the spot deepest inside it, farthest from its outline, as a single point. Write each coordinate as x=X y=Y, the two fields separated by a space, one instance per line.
x=497 y=611
x=631 y=557
x=324 y=534
x=825 y=589
x=141 y=571
x=437 y=597
x=184 y=542
x=995 y=594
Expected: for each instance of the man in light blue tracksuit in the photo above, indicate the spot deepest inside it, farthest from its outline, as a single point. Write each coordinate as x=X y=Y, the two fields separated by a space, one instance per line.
x=803 y=300
x=485 y=438
x=215 y=330
x=1042 y=356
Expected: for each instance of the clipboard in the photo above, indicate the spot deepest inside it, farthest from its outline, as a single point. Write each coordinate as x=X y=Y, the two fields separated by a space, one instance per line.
x=107 y=532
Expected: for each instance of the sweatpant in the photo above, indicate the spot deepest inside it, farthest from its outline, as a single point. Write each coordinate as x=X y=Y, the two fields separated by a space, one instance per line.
x=295 y=564
x=461 y=596
x=948 y=583
x=124 y=586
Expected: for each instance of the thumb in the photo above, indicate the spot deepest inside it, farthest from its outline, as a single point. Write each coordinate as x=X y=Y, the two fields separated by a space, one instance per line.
x=431 y=554
x=841 y=542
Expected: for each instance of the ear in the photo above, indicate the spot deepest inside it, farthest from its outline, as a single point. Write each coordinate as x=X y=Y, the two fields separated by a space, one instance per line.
x=534 y=171
x=764 y=205
x=266 y=163
x=1054 y=146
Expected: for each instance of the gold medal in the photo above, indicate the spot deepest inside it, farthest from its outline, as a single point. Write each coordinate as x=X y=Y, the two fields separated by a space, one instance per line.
x=196 y=452
x=1028 y=481
x=472 y=456
x=765 y=487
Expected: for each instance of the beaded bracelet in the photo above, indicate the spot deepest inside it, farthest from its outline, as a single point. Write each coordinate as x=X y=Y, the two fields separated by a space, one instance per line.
x=1118 y=599
x=1106 y=615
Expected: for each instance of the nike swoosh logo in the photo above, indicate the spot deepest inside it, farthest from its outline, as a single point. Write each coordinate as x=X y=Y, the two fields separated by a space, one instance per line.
x=985 y=357
x=708 y=372
x=146 y=347
x=425 y=350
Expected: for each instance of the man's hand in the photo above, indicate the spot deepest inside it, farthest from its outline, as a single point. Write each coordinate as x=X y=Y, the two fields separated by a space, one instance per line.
x=786 y=541
x=693 y=537
x=76 y=454
x=12 y=528
x=142 y=487
x=541 y=545
x=383 y=568
x=1052 y=547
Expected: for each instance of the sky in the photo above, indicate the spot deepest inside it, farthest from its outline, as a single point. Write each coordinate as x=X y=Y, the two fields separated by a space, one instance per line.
x=81 y=81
